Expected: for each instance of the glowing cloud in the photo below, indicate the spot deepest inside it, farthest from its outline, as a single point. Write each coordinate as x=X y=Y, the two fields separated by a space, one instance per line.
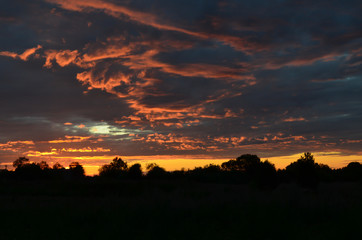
x=85 y=150
x=24 y=56
x=70 y=139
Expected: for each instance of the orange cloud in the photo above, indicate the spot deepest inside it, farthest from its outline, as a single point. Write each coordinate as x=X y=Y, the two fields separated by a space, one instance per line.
x=85 y=150
x=70 y=139
x=173 y=141
x=107 y=51
x=242 y=44
x=24 y=56
x=62 y=57
x=302 y=62
x=291 y=119
x=38 y=153
x=14 y=145
x=116 y=11
x=100 y=81
x=21 y=142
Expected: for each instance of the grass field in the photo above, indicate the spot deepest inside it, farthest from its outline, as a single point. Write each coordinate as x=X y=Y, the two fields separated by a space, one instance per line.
x=178 y=210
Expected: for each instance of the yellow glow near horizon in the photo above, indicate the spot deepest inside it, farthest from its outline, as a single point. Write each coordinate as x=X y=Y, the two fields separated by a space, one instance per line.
x=332 y=159
x=171 y=162
x=91 y=164
x=168 y=162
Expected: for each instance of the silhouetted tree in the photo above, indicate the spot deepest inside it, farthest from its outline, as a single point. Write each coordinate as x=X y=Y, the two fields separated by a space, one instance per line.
x=43 y=165
x=246 y=163
x=58 y=166
x=352 y=172
x=135 y=171
x=20 y=161
x=29 y=171
x=266 y=175
x=208 y=173
x=116 y=168
x=155 y=171
x=325 y=173
x=251 y=168
x=58 y=171
x=304 y=171
x=76 y=170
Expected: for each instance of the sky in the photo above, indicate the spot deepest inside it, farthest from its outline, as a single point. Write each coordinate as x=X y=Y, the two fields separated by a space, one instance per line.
x=180 y=82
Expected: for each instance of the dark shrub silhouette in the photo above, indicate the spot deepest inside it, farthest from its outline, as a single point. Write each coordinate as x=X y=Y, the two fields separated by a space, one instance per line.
x=57 y=171
x=135 y=171
x=155 y=171
x=247 y=163
x=43 y=165
x=117 y=168
x=325 y=173
x=247 y=168
x=304 y=171
x=352 y=172
x=266 y=175
x=58 y=166
x=29 y=171
x=208 y=173
x=250 y=168
x=20 y=161
x=76 y=170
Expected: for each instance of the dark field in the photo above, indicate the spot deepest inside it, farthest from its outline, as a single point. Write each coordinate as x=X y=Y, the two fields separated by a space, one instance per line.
x=155 y=209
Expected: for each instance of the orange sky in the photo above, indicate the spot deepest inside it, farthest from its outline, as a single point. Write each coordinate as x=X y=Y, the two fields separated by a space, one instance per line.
x=179 y=85
x=91 y=164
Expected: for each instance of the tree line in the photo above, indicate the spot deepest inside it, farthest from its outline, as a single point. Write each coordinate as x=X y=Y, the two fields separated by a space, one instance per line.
x=246 y=168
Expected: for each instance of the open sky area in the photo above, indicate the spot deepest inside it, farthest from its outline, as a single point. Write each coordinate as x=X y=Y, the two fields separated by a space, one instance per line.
x=181 y=83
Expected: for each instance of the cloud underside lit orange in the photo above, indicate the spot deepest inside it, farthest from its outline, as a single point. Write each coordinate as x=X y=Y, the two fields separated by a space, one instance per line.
x=185 y=82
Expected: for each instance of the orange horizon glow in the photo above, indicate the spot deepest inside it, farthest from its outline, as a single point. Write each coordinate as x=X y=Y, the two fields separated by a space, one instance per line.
x=332 y=159
x=91 y=164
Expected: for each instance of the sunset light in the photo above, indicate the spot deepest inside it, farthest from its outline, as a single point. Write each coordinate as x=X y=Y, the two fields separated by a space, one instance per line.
x=178 y=85
x=180 y=120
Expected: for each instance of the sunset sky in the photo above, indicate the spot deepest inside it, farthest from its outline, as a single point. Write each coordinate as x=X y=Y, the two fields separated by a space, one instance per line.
x=181 y=83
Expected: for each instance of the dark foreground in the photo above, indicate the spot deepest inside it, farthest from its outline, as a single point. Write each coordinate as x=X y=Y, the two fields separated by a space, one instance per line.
x=89 y=209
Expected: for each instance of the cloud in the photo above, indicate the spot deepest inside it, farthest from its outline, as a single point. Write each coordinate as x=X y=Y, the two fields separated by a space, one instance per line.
x=87 y=150
x=152 y=20
x=24 y=56
x=14 y=146
x=71 y=139
x=217 y=78
x=62 y=58
x=291 y=119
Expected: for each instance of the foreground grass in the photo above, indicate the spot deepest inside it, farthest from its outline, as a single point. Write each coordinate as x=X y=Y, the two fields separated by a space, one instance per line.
x=178 y=210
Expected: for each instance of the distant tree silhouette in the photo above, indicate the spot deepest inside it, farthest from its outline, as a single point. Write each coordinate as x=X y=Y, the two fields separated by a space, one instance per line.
x=352 y=172
x=135 y=171
x=58 y=171
x=29 y=171
x=208 y=173
x=116 y=168
x=252 y=169
x=246 y=168
x=246 y=163
x=76 y=170
x=58 y=166
x=325 y=173
x=20 y=161
x=43 y=165
x=155 y=171
x=266 y=175
x=304 y=171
